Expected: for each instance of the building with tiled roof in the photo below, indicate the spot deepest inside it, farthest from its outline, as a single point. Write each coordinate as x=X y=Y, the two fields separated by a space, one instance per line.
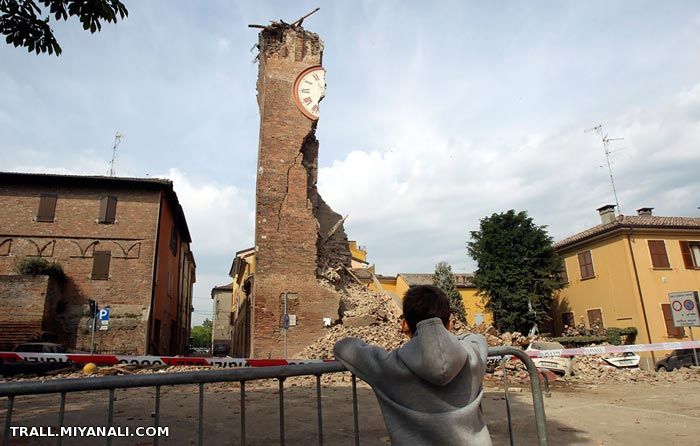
x=123 y=243
x=620 y=273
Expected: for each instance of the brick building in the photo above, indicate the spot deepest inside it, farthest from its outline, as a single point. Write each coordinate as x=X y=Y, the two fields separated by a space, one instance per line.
x=123 y=242
x=297 y=235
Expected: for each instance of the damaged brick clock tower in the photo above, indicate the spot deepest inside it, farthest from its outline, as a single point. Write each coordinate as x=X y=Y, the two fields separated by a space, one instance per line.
x=297 y=235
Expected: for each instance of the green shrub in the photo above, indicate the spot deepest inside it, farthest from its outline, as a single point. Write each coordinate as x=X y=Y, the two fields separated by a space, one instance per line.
x=612 y=335
x=37 y=266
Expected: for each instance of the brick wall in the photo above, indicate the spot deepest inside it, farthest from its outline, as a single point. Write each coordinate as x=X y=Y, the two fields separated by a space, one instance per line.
x=287 y=202
x=27 y=308
x=71 y=241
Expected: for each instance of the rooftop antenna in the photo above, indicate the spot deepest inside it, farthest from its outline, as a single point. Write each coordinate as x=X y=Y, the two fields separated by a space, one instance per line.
x=606 y=148
x=117 y=140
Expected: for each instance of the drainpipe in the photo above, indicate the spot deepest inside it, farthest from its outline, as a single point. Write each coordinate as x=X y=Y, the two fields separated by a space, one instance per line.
x=153 y=278
x=641 y=297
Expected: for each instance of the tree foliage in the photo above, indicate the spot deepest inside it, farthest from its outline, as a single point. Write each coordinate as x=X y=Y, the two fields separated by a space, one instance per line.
x=37 y=266
x=26 y=24
x=518 y=270
x=445 y=280
x=201 y=334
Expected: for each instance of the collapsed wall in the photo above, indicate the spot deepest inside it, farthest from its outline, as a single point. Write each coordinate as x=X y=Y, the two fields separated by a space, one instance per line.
x=298 y=237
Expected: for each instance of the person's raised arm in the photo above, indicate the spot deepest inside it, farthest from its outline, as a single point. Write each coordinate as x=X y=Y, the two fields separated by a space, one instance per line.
x=362 y=359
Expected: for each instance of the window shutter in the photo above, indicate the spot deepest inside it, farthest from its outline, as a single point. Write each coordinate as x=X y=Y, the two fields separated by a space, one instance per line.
x=595 y=317
x=585 y=262
x=563 y=275
x=100 y=265
x=173 y=240
x=659 y=257
x=671 y=329
x=687 y=255
x=47 y=208
x=108 y=209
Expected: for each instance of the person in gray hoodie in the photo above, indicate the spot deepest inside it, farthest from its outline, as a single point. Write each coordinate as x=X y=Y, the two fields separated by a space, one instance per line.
x=429 y=389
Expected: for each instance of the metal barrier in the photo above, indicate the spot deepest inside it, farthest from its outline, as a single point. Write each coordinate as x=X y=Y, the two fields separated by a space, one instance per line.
x=242 y=375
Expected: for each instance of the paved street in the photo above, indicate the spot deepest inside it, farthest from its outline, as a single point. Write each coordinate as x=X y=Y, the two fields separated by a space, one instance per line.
x=610 y=414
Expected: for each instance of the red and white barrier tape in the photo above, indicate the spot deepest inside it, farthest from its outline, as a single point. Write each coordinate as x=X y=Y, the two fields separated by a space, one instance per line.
x=225 y=362
x=228 y=362
x=603 y=349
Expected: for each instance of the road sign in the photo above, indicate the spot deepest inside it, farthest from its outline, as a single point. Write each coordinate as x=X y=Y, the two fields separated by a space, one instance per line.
x=103 y=316
x=684 y=306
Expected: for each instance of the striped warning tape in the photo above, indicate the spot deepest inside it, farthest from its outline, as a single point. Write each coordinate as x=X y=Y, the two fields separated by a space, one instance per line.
x=603 y=349
x=225 y=362
x=228 y=362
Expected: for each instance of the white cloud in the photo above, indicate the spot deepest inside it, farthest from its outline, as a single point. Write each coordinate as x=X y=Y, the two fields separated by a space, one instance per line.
x=219 y=216
x=413 y=202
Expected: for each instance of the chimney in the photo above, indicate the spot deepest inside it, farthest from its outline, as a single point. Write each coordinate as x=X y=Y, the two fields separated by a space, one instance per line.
x=644 y=212
x=607 y=213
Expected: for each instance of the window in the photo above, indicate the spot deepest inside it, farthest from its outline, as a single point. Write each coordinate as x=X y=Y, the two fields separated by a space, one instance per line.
x=47 y=208
x=563 y=275
x=659 y=257
x=585 y=263
x=691 y=254
x=173 y=239
x=100 y=265
x=567 y=319
x=671 y=330
x=595 y=318
x=108 y=210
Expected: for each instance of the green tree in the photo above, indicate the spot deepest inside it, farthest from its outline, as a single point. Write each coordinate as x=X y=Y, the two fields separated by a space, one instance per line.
x=518 y=270
x=201 y=334
x=26 y=24
x=445 y=280
x=38 y=266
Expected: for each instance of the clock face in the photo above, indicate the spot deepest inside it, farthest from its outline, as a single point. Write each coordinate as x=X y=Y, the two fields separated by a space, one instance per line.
x=309 y=89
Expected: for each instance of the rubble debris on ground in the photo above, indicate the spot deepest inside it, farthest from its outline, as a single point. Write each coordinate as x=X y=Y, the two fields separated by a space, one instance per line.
x=375 y=318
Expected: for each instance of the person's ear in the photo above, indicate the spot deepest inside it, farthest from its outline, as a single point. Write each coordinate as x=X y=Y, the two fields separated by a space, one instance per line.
x=405 y=328
x=451 y=325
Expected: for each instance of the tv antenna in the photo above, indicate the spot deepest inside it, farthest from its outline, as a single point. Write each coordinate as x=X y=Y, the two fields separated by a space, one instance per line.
x=117 y=140
x=606 y=148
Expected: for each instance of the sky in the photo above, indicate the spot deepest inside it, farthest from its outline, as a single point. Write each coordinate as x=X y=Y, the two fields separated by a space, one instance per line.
x=436 y=115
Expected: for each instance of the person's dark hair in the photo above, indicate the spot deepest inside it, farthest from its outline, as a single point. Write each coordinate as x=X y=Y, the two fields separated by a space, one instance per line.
x=424 y=302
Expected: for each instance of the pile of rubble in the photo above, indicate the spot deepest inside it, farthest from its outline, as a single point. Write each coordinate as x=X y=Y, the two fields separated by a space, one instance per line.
x=593 y=369
x=372 y=317
x=375 y=318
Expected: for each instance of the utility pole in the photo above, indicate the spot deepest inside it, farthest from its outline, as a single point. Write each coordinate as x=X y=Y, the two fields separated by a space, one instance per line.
x=117 y=140
x=606 y=148
x=94 y=310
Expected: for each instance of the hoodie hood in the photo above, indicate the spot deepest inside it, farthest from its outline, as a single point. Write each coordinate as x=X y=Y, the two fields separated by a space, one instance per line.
x=433 y=353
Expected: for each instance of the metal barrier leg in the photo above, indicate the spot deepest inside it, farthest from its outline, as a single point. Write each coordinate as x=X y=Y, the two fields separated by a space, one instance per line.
x=8 y=419
x=242 y=413
x=547 y=391
x=61 y=413
x=281 y=381
x=156 y=414
x=110 y=415
x=537 y=401
x=505 y=391
x=318 y=408
x=356 y=425
x=200 y=427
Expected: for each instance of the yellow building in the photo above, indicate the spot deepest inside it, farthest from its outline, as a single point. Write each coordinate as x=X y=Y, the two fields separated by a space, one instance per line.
x=358 y=255
x=397 y=286
x=619 y=273
x=241 y=272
